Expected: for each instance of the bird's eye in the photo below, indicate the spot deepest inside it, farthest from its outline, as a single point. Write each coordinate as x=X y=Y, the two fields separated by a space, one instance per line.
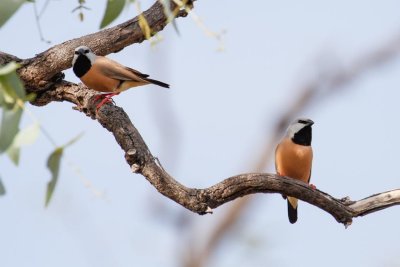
x=86 y=51
x=76 y=53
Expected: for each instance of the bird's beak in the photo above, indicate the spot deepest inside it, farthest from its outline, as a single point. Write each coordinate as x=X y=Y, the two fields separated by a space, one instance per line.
x=81 y=51
x=310 y=122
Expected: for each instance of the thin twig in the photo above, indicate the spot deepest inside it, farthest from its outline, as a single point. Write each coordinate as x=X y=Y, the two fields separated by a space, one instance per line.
x=37 y=19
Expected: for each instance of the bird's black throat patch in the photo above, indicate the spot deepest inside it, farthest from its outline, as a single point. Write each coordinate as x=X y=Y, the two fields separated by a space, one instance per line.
x=303 y=137
x=81 y=66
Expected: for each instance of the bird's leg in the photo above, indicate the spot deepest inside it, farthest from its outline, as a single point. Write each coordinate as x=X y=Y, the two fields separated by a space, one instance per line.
x=313 y=187
x=97 y=97
x=106 y=99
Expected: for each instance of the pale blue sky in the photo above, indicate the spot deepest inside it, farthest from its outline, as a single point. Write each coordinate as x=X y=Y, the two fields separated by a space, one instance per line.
x=212 y=124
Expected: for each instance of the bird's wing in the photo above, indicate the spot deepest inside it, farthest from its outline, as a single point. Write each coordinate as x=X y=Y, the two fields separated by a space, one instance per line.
x=276 y=162
x=117 y=71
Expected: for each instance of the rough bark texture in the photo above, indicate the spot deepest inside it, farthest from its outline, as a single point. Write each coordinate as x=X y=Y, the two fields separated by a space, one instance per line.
x=42 y=74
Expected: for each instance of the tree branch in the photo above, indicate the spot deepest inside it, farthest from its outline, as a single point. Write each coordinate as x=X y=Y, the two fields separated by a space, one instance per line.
x=202 y=201
x=43 y=70
x=6 y=58
x=38 y=71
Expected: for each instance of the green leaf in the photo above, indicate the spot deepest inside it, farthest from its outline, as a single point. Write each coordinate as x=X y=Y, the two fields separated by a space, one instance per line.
x=169 y=13
x=9 y=126
x=10 y=84
x=53 y=164
x=13 y=153
x=8 y=68
x=8 y=8
x=24 y=137
x=12 y=94
x=73 y=140
x=30 y=97
x=2 y=97
x=113 y=10
x=2 y=189
x=144 y=26
x=27 y=136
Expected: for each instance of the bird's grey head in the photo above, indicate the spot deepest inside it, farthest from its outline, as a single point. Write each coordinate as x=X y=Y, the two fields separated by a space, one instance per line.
x=300 y=131
x=84 y=51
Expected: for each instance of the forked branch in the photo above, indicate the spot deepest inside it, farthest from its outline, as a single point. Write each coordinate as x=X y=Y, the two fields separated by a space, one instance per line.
x=41 y=75
x=203 y=201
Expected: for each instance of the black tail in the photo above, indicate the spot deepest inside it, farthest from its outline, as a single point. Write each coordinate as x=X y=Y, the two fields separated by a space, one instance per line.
x=165 y=85
x=292 y=212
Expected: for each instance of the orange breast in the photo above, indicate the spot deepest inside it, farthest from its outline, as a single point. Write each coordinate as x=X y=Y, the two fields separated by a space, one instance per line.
x=293 y=160
x=95 y=80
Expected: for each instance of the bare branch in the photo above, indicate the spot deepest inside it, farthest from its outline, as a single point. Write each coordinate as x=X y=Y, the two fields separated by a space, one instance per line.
x=320 y=89
x=376 y=202
x=6 y=58
x=140 y=159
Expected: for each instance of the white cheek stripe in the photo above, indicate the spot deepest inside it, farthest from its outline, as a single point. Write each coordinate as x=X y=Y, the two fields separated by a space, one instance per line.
x=294 y=128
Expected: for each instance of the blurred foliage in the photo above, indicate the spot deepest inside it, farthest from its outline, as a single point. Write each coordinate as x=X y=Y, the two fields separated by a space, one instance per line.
x=24 y=137
x=8 y=8
x=12 y=99
x=12 y=103
x=144 y=26
x=170 y=14
x=2 y=189
x=113 y=10
x=53 y=164
x=81 y=6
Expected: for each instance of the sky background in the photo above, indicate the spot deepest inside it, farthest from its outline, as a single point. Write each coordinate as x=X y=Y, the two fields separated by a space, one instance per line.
x=213 y=123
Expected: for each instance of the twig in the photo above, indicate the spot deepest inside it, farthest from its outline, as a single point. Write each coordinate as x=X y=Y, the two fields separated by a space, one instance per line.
x=37 y=19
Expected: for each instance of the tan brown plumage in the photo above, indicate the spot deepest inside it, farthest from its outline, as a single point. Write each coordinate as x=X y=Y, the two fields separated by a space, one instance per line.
x=106 y=75
x=293 y=158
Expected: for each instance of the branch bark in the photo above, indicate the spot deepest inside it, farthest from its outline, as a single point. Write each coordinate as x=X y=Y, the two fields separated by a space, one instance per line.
x=41 y=75
x=38 y=72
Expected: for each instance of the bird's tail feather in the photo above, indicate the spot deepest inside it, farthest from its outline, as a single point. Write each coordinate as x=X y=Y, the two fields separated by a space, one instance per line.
x=292 y=209
x=165 y=85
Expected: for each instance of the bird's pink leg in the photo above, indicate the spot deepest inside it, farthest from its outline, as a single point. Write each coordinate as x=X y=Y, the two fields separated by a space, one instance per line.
x=107 y=99
x=313 y=187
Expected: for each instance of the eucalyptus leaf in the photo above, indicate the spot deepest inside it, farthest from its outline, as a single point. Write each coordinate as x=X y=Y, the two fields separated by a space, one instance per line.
x=24 y=137
x=8 y=8
x=10 y=84
x=53 y=164
x=73 y=140
x=2 y=99
x=169 y=13
x=8 y=68
x=113 y=10
x=144 y=26
x=9 y=126
x=13 y=153
x=2 y=189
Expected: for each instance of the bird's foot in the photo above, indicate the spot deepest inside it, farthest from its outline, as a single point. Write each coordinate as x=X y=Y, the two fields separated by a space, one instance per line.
x=313 y=187
x=107 y=98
